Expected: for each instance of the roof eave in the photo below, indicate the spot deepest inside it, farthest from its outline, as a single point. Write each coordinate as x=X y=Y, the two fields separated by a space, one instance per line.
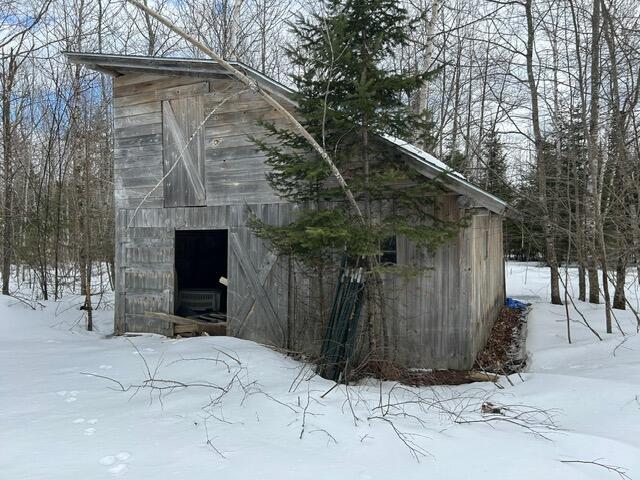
x=462 y=187
x=450 y=178
x=116 y=65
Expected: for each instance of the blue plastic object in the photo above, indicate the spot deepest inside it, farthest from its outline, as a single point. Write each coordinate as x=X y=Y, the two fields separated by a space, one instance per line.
x=515 y=304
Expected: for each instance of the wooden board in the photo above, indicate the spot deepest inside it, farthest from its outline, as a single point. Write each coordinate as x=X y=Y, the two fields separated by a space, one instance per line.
x=182 y=326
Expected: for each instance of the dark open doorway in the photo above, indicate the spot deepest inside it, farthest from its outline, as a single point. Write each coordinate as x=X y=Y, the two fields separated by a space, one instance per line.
x=201 y=261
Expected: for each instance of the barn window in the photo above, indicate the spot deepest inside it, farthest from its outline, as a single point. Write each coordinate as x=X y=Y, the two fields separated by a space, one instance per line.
x=183 y=152
x=201 y=264
x=389 y=251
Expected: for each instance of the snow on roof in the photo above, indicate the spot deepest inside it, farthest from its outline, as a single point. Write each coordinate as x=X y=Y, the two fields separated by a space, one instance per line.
x=418 y=152
x=431 y=167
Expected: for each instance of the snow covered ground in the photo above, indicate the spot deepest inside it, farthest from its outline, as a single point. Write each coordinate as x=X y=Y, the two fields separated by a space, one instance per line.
x=249 y=412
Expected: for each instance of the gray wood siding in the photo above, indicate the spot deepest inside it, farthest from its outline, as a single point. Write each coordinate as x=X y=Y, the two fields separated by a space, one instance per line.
x=437 y=319
x=233 y=170
x=441 y=318
x=487 y=276
x=427 y=326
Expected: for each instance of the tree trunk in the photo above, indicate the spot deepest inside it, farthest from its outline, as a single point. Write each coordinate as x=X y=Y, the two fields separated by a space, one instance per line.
x=582 y=283
x=430 y=27
x=619 y=299
x=619 y=155
x=547 y=226
x=7 y=214
x=594 y=286
x=593 y=204
x=85 y=232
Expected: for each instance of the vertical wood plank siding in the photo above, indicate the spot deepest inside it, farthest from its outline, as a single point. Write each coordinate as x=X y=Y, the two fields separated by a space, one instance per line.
x=437 y=320
x=487 y=271
x=183 y=152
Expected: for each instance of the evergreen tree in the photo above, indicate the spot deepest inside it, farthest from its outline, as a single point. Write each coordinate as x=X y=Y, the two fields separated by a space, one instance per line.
x=456 y=161
x=494 y=173
x=349 y=98
x=566 y=151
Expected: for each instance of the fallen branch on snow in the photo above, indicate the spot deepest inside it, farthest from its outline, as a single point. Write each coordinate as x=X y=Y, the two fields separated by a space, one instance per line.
x=612 y=468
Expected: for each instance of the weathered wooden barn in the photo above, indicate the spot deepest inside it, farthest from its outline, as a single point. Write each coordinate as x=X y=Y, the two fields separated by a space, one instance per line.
x=181 y=225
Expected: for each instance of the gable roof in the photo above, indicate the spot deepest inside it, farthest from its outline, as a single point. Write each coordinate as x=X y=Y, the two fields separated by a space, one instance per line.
x=427 y=165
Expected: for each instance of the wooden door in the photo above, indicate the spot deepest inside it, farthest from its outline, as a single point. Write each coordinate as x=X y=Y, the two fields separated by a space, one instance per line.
x=257 y=292
x=183 y=152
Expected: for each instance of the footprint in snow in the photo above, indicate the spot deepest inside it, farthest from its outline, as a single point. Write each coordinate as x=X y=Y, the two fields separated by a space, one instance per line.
x=119 y=469
x=79 y=420
x=110 y=460
x=70 y=396
x=93 y=421
x=89 y=431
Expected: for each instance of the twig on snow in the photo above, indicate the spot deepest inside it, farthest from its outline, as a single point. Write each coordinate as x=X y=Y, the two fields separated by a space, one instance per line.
x=612 y=468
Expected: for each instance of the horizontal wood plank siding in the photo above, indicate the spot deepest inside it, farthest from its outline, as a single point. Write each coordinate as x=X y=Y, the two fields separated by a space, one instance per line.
x=234 y=170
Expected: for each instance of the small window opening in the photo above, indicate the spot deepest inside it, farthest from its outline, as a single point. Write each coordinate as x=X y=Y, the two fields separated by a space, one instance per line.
x=201 y=272
x=389 y=251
